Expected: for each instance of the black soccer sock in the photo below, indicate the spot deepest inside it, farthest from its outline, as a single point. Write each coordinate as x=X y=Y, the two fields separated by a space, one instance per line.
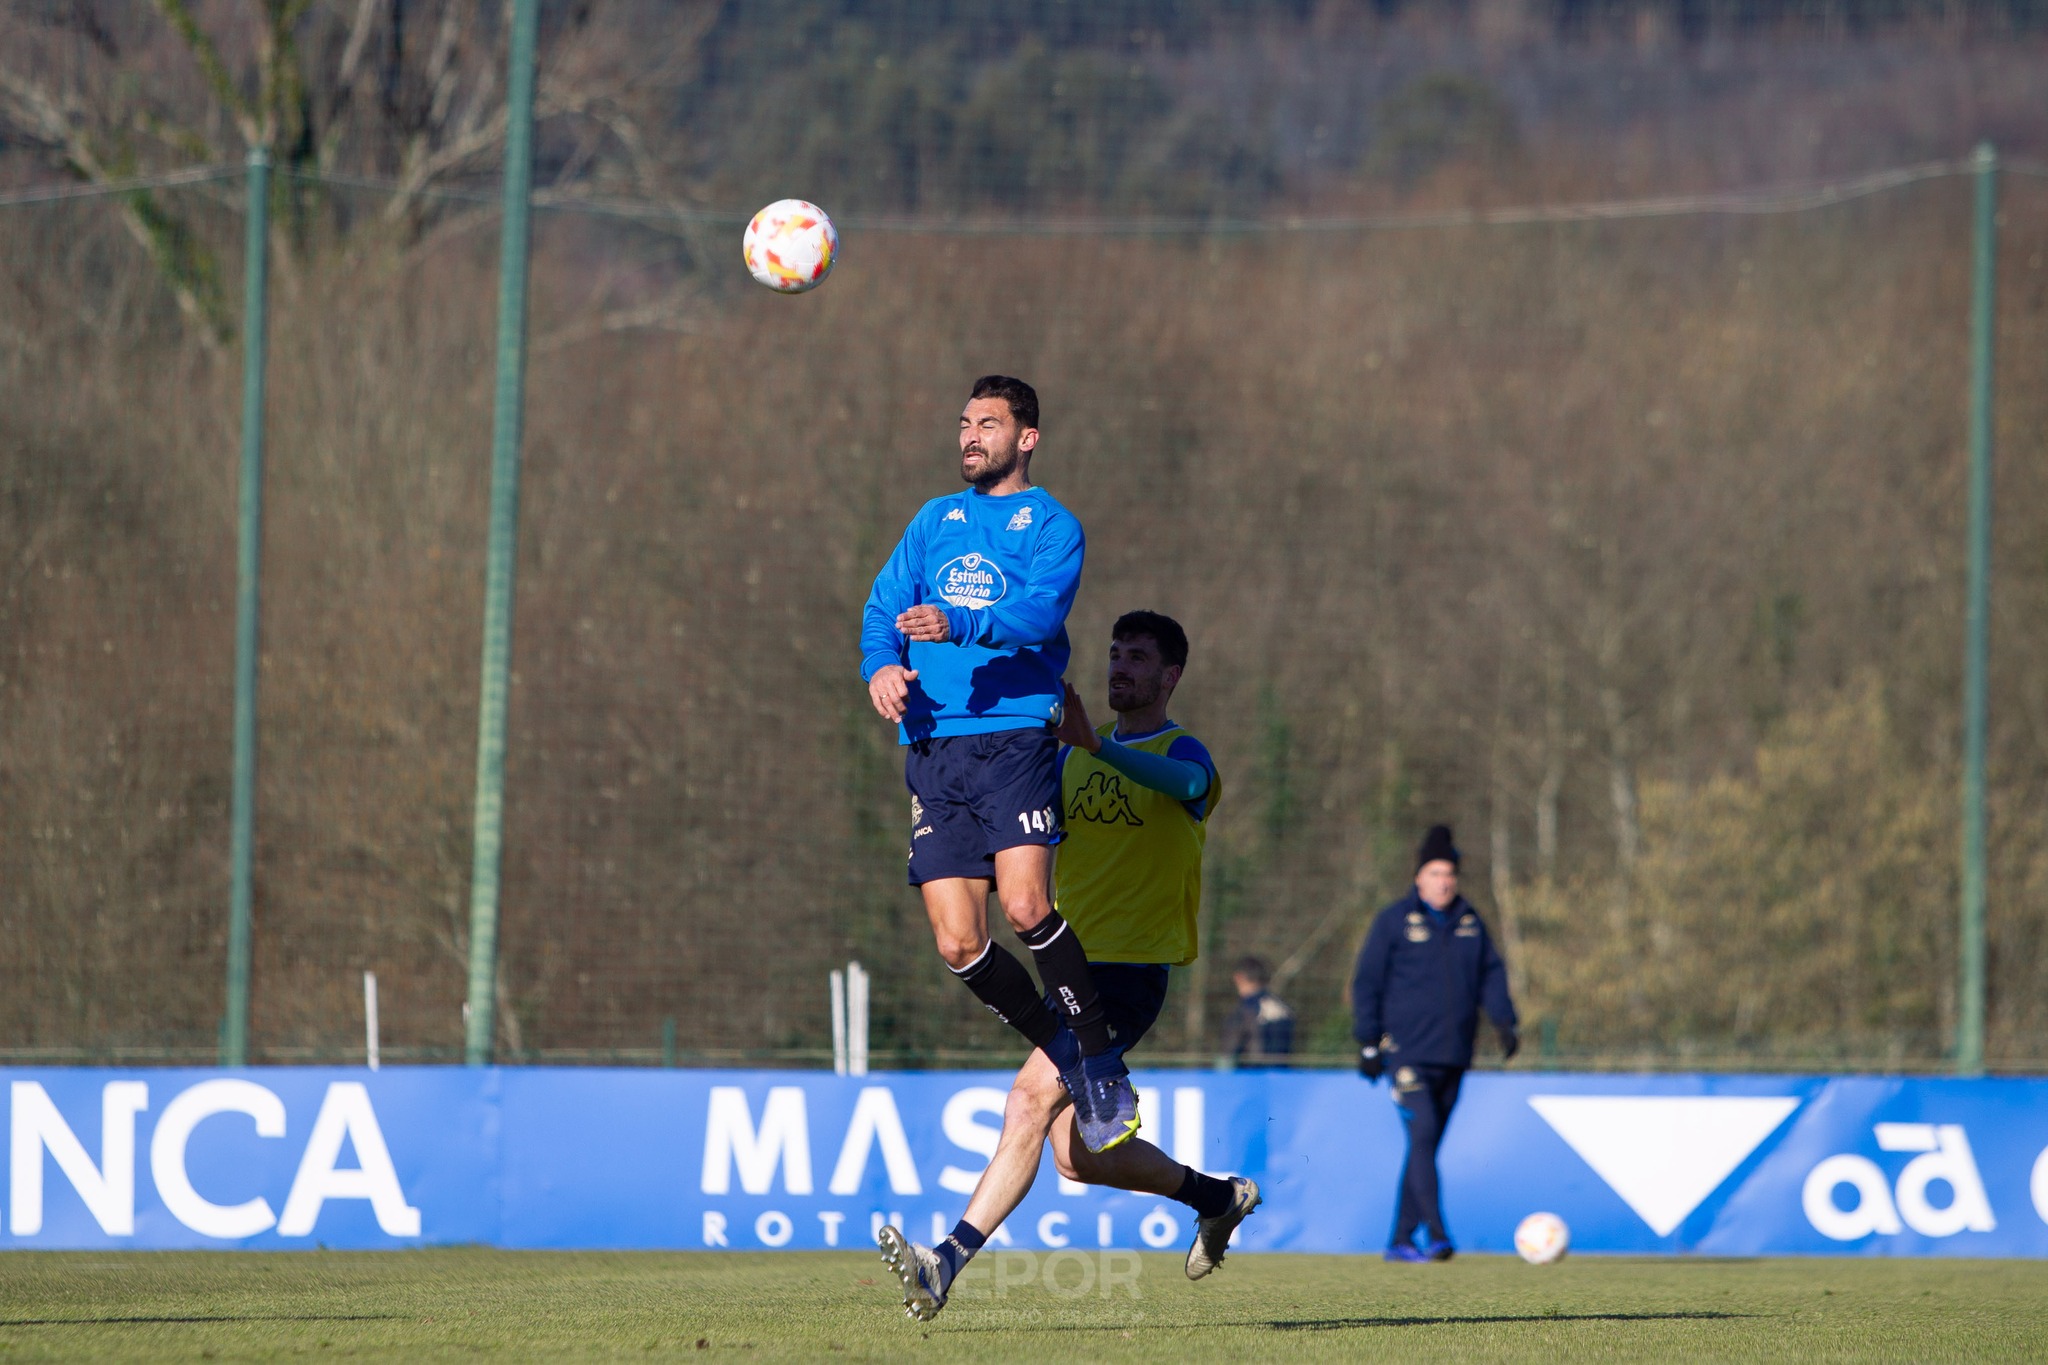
x=1205 y=1194
x=1000 y=982
x=957 y=1250
x=1063 y=967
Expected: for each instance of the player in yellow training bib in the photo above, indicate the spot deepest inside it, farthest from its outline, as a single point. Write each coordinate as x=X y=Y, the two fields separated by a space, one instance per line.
x=1136 y=796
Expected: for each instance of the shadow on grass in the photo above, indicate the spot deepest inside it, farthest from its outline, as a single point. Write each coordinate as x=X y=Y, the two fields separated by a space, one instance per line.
x=148 y=1320
x=1452 y=1319
x=1349 y=1324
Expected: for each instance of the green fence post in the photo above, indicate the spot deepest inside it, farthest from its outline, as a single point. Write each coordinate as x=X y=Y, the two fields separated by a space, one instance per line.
x=234 y=1040
x=504 y=538
x=1976 y=649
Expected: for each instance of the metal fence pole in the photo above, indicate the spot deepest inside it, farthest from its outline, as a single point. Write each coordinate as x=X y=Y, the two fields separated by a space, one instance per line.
x=373 y=1032
x=504 y=540
x=234 y=1043
x=1976 y=650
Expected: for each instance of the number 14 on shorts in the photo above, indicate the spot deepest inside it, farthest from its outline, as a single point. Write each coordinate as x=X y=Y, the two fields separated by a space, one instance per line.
x=1040 y=821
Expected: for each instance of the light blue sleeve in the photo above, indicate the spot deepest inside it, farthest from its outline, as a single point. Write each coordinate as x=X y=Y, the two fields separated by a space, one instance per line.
x=895 y=592
x=1183 y=779
x=1036 y=615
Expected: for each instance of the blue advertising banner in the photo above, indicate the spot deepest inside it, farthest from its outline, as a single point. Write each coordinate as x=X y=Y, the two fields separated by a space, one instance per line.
x=287 y=1157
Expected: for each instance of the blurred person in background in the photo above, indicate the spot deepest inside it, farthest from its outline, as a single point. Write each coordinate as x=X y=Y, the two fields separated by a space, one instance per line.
x=1427 y=968
x=1260 y=1031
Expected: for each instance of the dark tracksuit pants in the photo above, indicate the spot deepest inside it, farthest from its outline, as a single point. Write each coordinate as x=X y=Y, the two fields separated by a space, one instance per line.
x=1425 y=1106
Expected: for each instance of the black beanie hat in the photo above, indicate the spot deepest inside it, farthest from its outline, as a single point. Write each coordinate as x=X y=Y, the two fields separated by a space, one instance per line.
x=1436 y=845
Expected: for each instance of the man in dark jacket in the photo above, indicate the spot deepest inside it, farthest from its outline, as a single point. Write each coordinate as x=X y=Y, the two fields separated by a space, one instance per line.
x=1260 y=1031
x=1427 y=968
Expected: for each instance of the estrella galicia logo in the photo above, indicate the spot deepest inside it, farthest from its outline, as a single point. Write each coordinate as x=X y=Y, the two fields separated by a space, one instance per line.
x=972 y=581
x=1101 y=799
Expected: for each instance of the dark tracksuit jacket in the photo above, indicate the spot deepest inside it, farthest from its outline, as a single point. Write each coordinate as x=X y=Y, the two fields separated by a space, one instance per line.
x=1422 y=978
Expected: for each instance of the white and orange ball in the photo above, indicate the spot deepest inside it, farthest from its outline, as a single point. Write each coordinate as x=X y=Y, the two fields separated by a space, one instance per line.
x=1542 y=1238
x=790 y=246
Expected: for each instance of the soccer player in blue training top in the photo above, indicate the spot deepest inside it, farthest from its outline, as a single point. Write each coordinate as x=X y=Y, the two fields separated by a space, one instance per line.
x=1137 y=796
x=1427 y=968
x=964 y=645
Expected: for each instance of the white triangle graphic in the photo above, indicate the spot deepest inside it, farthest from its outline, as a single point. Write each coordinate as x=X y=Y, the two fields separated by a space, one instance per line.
x=1663 y=1154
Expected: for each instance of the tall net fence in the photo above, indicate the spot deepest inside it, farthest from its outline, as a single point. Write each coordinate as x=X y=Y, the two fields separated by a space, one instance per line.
x=1633 y=547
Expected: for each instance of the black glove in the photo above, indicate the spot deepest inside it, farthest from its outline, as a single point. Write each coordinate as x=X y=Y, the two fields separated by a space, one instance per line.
x=1370 y=1064
x=1510 y=1042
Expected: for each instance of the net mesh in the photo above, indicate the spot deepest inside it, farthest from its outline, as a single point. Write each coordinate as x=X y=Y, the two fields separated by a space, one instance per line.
x=1632 y=549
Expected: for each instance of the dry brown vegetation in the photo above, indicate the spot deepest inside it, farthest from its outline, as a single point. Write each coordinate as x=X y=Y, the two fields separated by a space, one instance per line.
x=1633 y=550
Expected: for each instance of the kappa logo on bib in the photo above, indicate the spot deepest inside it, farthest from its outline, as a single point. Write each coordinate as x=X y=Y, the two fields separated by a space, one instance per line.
x=1101 y=799
x=972 y=581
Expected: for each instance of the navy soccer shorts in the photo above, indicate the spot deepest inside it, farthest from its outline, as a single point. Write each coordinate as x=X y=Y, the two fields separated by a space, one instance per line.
x=971 y=796
x=1132 y=995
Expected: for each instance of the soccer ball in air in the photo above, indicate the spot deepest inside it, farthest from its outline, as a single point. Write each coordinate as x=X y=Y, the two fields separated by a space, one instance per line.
x=1542 y=1238
x=790 y=246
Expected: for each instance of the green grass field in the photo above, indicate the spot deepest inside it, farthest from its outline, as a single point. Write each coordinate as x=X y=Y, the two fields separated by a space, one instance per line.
x=444 y=1305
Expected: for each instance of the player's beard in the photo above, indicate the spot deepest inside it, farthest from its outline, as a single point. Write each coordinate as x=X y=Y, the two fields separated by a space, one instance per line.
x=1135 y=696
x=997 y=464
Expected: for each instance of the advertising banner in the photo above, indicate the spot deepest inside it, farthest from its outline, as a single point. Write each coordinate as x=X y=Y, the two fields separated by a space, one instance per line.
x=751 y=1160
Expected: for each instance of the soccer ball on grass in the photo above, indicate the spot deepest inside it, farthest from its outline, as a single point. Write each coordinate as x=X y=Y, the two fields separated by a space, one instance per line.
x=790 y=246
x=1542 y=1238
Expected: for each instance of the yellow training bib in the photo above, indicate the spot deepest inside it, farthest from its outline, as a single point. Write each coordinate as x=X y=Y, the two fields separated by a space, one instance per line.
x=1129 y=877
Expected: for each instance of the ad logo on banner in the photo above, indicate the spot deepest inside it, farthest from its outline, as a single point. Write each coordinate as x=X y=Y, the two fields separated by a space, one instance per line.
x=41 y=1136
x=1663 y=1156
x=1878 y=1208
x=583 y=1158
x=764 y=1146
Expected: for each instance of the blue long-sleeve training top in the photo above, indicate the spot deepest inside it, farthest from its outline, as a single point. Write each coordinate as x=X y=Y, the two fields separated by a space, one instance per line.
x=1004 y=570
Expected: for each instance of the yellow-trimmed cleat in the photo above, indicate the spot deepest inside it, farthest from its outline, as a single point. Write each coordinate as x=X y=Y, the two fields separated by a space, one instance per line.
x=1106 y=1111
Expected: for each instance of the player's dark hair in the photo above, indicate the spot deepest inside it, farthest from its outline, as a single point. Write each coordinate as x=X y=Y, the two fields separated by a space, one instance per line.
x=1252 y=969
x=1022 y=398
x=1164 y=631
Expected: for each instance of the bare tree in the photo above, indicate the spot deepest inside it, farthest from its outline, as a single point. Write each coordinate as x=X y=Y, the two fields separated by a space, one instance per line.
x=407 y=94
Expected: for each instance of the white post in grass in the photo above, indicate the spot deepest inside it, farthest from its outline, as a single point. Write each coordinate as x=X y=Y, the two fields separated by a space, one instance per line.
x=856 y=1020
x=370 y=1020
x=838 y=1023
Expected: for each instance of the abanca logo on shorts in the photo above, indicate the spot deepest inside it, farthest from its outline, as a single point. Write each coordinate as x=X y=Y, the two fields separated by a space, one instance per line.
x=972 y=581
